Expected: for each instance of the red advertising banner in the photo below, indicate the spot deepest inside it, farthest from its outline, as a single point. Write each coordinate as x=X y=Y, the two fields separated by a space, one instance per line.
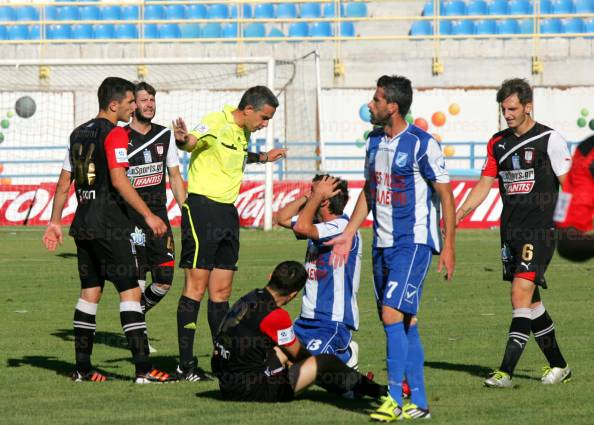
x=32 y=204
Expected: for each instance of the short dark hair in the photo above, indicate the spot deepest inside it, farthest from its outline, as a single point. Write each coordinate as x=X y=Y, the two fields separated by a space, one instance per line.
x=257 y=97
x=517 y=86
x=146 y=87
x=288 y=277
x=397 y=89
x=338 y=201
x=113 y=88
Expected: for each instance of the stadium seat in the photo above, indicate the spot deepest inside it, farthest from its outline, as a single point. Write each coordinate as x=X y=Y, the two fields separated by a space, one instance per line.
x=419 y=28
x=230 y=30
x=89 y=13
x=254 y=30
x=212 y=30
x=563 y=7
x=27 y=13
x=126 y=31
x=17 y=32
x=465 y=27
x=572 y=26
x=428 y=8
x=445 y=27
x=34 y=32
x=356 y=10
x=546 y=7
x=454 y=8
x=551 y=26
x=275 y=32
x=248 y=12
x=477 y=7
x=59 y=32
x=584 y=6
x=129 y=13
x=347 y=29
x=508 y=26
x=51 y=13
x=311 y=10
x=169 y=31
x=485 y=27
x=175 y=12
x=526 y=26
x=329 y=10
x=217 y=11
x=7 y=14
x=68 y=13
x=104 y=31
x=299 y=29
x=189 y=30
x=286 y=11
x=82 y=31
x=151 y=31
x=154 y=12
x=196 y=11
x=498 y=7
x=264 y=11
x=521 y=7
x=588 y=25
x=320 y=29
x=3 y=33
x=111 y=13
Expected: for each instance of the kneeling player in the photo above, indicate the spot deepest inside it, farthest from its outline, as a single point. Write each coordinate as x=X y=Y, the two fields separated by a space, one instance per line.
x=329 y=310
x=258 y=358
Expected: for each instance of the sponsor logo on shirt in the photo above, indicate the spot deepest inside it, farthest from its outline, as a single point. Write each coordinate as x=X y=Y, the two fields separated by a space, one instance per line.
x=285 y=336
x=518 y=182
x=146 y=174
x=121 y=155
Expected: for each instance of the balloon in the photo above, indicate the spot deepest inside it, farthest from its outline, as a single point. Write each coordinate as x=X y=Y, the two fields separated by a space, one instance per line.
x=591 y=124
x=584 y=112
x=438 y=119
x=436 y=137
x=364 y=113
x=409 y=118
x=454 y=109
x=581 y=122
x=421 y=123
x=449 y=151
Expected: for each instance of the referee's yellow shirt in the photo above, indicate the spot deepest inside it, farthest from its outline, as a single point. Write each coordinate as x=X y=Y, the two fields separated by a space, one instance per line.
x=218 y=159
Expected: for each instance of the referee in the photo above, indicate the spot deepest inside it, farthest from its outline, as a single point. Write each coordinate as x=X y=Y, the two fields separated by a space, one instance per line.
x=210 y=223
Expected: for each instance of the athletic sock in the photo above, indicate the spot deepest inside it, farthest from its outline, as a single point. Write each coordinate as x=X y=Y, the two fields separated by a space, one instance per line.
x=519 y=333
x=152 y=295
x=135 y=330
x=216 y=314
x=84 y=331
x=397 y=349
x=543 y=329
x=415 y=362
x=187 y=315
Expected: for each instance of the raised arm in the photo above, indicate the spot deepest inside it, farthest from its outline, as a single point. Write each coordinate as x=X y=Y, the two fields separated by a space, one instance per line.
x=284 y=215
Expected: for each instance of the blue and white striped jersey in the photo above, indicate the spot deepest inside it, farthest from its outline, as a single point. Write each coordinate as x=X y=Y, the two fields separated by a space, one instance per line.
x=406 y=208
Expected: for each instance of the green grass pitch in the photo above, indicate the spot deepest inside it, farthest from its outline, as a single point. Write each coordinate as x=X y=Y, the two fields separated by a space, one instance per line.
x=463 y=325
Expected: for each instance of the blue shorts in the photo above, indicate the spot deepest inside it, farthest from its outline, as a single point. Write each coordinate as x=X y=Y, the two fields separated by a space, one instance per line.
x=398 y=275
x=324 y=337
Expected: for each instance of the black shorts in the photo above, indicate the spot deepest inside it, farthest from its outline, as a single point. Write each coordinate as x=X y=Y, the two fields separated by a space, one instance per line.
x=210 y=234
x=528 y=257
x=153 y=251
x=256 y=387
x=107 y=259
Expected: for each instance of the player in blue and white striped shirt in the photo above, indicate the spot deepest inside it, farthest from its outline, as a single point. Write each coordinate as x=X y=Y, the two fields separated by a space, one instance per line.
x=405 y=182
x=329 y=311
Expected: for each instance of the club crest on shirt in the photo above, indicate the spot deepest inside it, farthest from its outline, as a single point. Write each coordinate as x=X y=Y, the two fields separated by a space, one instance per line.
x=401 y=158
x=529 y=156
x=160 y=148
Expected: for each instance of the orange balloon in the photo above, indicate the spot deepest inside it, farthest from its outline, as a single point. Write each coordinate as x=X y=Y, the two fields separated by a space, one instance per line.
x=438 y=119
x=436 y=137
x=1 y=168
x=449 y=151
x=5 y=181
x=454 y=109
x=421 y=123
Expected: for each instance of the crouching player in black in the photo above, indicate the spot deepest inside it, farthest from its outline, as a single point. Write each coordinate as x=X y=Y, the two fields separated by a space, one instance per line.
x=257 y=356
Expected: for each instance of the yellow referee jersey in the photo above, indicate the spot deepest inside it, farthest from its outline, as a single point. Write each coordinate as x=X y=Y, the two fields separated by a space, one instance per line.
x=218 y=159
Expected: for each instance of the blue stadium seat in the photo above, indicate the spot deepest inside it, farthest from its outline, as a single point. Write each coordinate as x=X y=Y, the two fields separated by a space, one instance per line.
x=421 y=28
x=445 y=27
x=347 y=29
x=356 y=10
x=51 y=13
x=498 y=7
x=248 y=12
x=189 y=30
x=154 y=12
x=7 y=14
x=59 y=32
x=299 y=29
x=275 y=32
x=521 y=7
x=286 y=10
x=3 y=33
x=477 y=7
x=217 y=11
x=428 y=8
x=264 y=11
x=68 y=13
x=330 y=10
x=126 y=31
x=551 y=26
x=17 y=32
x=196 y=11
x=465 y=27
x=526 y=26
x=151 y=31
x=572 y=26
x=111 y=13
x=90 y=13
x=169 y=31
x=104 y=31
x=454 y=8
x=175 y=12
x=320 y=29
x=82 y=31
x=129 y=13
x=27 y=13
x=588 y=25
x=311 y=10
x=212 y=30
x=546 y=7
x=584 y=6
x=34 y=32
x=508 y=26
x=254 y=30
x=230 y=30
x=485 y=27
x=563 y=7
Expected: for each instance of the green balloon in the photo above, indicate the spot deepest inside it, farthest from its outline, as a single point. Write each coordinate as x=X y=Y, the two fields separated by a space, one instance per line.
x=1 y=137
x=409 y=118
x=359 y=143
x=4 y=123
x=584 y=112
x=581 y=122
x=366 y=134
x=10 y=114
x=591 y=125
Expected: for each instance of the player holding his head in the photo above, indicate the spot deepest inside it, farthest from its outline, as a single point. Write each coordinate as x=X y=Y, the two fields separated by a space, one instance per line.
x=257 y=356
x=97 y=160
x=530 y=160
x=210 y=224
x=151 y=150
x=405 y=182
x=329 y=310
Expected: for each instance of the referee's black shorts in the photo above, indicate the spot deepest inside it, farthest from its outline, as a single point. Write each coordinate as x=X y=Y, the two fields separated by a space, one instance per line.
x=210 y=234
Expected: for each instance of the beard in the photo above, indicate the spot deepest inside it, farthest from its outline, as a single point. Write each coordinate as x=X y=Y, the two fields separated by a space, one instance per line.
x=141 y=118
x=379 y=121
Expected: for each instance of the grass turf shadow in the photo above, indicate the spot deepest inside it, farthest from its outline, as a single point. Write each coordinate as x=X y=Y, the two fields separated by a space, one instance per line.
x=472 y=369
x=60 y=367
